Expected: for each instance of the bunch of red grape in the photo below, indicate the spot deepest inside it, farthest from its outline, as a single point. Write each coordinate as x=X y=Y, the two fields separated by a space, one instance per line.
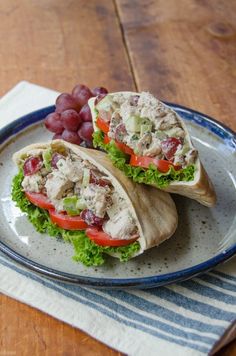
x=72 y=119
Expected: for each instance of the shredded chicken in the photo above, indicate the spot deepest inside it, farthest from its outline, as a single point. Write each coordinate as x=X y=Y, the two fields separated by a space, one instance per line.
x=168 y=121
x=33 y=183
x=154 y=148
x=115 y=121
x=121 y=226
x=57 y=184
x=73 y=170
x=144 y=142
x=175 y=132
x=127 y=110
x=97 y=199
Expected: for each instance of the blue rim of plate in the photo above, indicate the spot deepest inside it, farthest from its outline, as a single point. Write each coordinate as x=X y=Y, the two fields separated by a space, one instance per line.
x=225 y=133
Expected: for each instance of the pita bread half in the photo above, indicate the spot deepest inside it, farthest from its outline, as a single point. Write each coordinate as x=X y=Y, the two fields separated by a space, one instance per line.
x=153 y=210
x=201 y=188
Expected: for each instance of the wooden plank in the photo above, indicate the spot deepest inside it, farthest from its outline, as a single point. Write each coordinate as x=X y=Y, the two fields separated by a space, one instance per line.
x=59 y=43
x=229 y=350
x=24 y=331
x=185 y=52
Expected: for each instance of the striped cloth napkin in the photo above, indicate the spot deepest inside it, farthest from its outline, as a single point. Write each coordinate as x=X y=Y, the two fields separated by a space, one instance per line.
x=194 y=317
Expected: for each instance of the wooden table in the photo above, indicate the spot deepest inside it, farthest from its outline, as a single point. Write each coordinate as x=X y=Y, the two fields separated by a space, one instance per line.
x=182 y=51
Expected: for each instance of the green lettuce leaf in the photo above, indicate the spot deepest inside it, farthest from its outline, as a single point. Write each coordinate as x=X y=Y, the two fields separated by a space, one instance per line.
x=138 y=174
x=86 y=251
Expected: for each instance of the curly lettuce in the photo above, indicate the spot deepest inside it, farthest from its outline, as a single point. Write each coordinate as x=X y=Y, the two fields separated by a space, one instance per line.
x=140 y=175
x=86 y=251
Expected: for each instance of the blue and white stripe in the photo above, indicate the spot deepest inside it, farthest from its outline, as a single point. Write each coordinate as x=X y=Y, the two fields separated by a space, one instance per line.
x=197 y=288
x=192 y=314
x=224 y=276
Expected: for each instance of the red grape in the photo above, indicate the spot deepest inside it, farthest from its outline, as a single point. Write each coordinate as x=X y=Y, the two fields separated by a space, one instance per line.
x=55 y=158
x=82 y=94
x=86 y=130
x=66 y=101
x=99 y=90
x=99 y=181
x=169 y=146
x=71 y=137
x=57 y=137
x=71 y=120
x=32 y=165
x=85 y=113
x=90 y=218
x=53 y=123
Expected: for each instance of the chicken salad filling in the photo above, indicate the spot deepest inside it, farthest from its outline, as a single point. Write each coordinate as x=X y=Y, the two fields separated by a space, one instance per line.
x=146 y=126
x=77 y=189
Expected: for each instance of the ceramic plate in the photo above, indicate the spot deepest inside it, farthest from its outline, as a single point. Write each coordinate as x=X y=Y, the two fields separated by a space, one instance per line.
x=204 y=238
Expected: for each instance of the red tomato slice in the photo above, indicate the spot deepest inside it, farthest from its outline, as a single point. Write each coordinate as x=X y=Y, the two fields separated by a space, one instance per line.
x=39 y=200
x=106 y=139
x=103 y=239
x=144 y=161
x=122 y=146
x=67 y=222
x=102 y=125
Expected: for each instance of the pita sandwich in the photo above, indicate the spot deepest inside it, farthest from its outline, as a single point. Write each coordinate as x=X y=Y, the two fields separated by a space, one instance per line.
x=150 y=143
x=83 y=183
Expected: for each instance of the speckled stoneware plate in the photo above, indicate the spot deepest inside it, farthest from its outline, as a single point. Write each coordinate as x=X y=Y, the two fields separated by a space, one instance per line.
x=204 y=238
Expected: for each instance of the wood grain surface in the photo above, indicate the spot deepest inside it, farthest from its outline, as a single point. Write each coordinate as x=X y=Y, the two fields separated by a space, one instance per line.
x=57 y=43
x=183 y=51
